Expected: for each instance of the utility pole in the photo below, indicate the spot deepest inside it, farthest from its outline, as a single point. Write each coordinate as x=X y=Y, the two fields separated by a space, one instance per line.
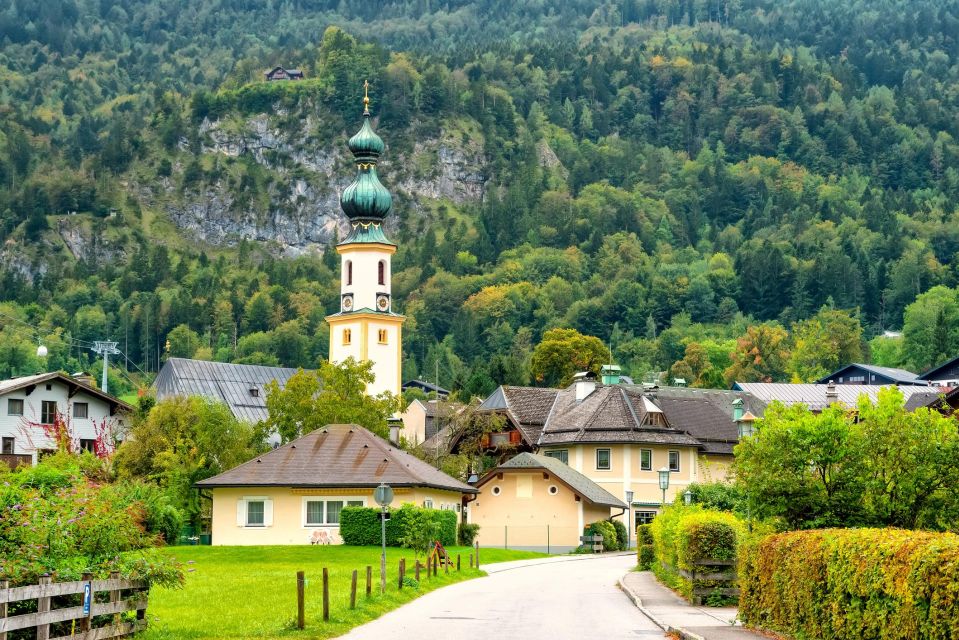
x=105 y=349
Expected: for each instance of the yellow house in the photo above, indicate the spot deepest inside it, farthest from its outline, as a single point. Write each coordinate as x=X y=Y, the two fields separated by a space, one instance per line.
x=538 y=503
x=294 y=493
x=620 y=435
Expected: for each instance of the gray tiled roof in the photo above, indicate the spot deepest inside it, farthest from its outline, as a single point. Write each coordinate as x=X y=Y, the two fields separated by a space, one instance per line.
x=814 y=395
x=900 y=376
x=572 y=478
x=221 y=381
x=336 y=456
x=13 y=384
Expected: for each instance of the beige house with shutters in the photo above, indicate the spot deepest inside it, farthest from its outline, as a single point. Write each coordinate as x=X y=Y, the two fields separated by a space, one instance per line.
x=294 y=493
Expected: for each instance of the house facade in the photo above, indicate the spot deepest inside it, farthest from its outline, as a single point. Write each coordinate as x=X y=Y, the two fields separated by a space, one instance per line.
x=943 y=375
x=34 y=409
x=423 y=419
x=279 y=73
x=537 y=503
x=294 y=494
x=870 y=374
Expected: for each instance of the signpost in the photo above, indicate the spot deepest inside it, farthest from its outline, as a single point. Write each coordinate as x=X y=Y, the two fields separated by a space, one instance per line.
x=87 y=596
x=383 y=495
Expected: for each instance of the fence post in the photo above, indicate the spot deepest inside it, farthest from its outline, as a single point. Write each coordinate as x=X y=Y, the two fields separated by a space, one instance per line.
x=115 y=596
x=547 y=539
x=400 y=571
x=4 y=585
x=369 y=580
x=446 y=565
x=505 y=537
x=471 y=561
x=417 y=570
x=477 y=554
x=457 y=562
x=353 y=591
x=85 y=621
x=300 y=600
x=326 y=595
x=43 y=606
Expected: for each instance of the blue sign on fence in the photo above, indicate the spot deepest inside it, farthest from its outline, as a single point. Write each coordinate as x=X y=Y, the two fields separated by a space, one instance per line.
x=87 y=597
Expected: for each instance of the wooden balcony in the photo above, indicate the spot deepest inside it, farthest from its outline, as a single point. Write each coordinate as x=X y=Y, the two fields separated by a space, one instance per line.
x=14 y=460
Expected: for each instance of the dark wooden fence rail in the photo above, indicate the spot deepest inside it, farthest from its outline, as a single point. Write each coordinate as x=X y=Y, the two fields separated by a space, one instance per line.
x=45 y=592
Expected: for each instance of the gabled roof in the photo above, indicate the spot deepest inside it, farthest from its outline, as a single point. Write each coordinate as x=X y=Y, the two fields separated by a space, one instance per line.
x=814 y=395
x=569 y=476
x=221 y=381
x=427 y=386
x=526 y=407
x=15 y=384
x=336 y=456
x=899 y=376
x=608 y=414
x=936 y=372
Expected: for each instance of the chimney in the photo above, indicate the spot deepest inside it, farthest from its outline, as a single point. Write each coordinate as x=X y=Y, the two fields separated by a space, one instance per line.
x=737 y=409
x=832 y=395
x=584 y=384
x=610 y=373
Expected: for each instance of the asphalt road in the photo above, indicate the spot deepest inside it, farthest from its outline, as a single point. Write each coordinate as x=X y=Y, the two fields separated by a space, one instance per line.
x=550 y=599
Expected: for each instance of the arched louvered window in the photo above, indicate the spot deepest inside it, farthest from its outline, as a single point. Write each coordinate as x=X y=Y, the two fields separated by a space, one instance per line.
x=349 y=272
x=382 y=272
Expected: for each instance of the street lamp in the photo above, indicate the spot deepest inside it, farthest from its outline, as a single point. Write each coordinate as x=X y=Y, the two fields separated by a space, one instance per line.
x=664 y=482
x=383 y=495
x=629 y=516
x=688 y=497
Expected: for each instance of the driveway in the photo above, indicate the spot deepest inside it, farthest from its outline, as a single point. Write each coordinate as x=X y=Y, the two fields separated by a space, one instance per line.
x=550 y=599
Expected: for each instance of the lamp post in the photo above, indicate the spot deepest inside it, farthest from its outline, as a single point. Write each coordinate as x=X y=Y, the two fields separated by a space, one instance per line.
x=383 y=495
x=664 y=482
x=629 y=517
x=688 y=497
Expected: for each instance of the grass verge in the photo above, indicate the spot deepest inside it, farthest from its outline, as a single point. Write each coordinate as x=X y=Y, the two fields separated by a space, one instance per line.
x=250 y=592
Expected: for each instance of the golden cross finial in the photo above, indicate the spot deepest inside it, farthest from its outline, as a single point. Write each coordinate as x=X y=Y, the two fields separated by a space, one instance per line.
x=366 y=97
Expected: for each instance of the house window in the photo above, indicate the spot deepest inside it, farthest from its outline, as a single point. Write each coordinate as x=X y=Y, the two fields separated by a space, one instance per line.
x=645 y=459
x=314 y=512
x=326 y=512
x=48 y=412
x=7 y=446
x=347 y=336
x=674 y=461
x=645 y=517
x=88 y=445
x=333 y=508
x=428 y=503
x=560 y=454
x=81 y=409
x=349 y=272
x=602 y=459
x=14 y=407
x=382 y=336
x=381 y=279
x=255 y=513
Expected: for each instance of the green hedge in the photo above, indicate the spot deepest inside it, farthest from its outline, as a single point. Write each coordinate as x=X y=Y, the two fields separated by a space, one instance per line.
x=360 y=526
x=839 y=584
x=685 y=535
x=605 y=529
x=644 y=547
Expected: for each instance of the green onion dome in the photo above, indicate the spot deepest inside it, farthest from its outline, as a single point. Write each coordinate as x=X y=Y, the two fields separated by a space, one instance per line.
x=366 y=199
x=366 y=145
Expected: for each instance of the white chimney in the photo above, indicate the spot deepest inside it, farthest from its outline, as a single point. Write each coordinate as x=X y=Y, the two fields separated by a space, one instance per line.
x=395 y=434
x=584 y=383
x=832 y=395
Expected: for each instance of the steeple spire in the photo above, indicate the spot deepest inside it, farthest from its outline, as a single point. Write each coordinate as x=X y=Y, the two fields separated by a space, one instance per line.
x=366 y=201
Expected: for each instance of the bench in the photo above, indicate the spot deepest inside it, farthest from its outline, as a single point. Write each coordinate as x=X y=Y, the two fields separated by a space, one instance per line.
x=596 y=541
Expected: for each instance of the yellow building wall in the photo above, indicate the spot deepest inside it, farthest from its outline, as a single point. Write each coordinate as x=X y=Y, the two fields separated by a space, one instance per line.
x=525 y=514
x=715 y=468
x=288 y=523
x=414 y=423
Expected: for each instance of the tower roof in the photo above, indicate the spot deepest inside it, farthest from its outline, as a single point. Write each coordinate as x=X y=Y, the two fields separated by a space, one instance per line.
x=366 y=201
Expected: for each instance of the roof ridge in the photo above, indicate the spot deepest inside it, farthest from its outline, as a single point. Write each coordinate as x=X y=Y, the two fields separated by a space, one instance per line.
x=632 y=410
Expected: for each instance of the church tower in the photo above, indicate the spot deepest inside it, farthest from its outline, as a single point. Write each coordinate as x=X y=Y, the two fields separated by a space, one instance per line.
x=366 y=327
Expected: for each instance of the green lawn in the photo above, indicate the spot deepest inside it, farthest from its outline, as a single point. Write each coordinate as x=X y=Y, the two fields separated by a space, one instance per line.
x=250 y=592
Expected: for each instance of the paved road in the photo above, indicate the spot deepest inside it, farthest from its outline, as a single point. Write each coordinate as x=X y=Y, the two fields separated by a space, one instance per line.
x=551 y=599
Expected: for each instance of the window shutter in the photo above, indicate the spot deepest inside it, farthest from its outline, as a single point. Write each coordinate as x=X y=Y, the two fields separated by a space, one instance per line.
x=267 y=513
x=514 y=437
x=240 y=512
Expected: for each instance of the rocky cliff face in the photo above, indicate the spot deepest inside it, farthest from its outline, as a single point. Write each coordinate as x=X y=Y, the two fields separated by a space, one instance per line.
x=303 y=211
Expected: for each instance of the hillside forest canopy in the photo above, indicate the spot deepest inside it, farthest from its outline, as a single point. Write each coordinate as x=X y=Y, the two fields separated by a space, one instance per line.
x=723 y=190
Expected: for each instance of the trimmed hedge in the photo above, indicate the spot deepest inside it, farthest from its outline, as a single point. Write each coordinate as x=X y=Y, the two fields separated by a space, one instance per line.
x=360 y=526
x=685 y=535
x=605 y=529
x=621 y=535
x=839 y=584
x=644 y=547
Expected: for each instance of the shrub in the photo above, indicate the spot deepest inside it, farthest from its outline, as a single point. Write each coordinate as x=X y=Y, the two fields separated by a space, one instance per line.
x=360 y=526
x=644 y=534
x=684 y=536
x=621 y=538
x=646 y=557
x=605 y=529
x=467 y=534
x=887 y=584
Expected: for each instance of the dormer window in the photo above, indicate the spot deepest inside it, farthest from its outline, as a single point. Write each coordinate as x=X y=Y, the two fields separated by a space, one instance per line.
x=254 y=393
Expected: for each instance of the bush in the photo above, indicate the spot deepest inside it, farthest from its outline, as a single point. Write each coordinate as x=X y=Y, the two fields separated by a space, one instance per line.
x=605 y=529
x=644 y=534
x=467 y=534
x=684 y=536
x=646 y=557
x=622 y=540
x=886 y=584
x=360 y=526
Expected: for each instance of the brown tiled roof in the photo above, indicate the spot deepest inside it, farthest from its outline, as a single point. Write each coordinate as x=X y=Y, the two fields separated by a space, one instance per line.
x=334 y=456
x=569 y=476
x=531 y=405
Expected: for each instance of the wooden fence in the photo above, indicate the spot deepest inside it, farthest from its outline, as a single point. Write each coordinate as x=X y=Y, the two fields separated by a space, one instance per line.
x=57 y=608
x=712 y=577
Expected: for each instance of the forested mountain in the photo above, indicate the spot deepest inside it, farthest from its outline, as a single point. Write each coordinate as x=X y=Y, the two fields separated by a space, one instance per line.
x=738 y=189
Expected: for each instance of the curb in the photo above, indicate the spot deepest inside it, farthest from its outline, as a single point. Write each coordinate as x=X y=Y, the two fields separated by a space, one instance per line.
x=557 y=559
x=682 y=633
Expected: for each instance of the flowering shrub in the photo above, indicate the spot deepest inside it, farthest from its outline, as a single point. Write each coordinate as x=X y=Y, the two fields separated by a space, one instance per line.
x=53 y=519
x=839 y=584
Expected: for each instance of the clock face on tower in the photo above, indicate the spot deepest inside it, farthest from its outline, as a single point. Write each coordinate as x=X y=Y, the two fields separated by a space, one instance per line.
x=383 y=302
x=346 y=304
